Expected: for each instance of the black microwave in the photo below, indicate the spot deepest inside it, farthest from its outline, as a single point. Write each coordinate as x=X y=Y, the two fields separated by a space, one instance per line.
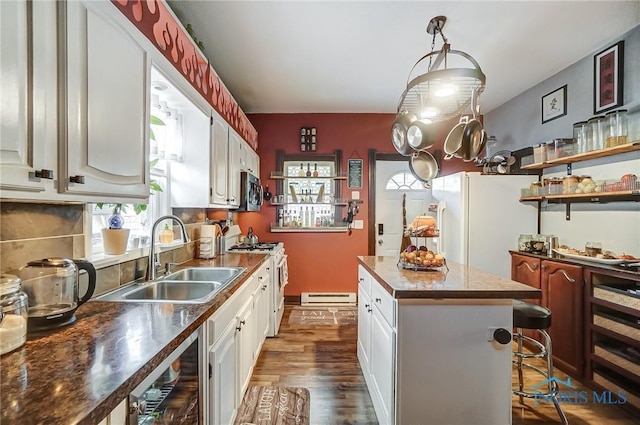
x=250 y=192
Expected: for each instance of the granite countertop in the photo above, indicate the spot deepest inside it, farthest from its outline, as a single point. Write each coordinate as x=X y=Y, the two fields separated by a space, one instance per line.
x=78 y=374
x=460 y=282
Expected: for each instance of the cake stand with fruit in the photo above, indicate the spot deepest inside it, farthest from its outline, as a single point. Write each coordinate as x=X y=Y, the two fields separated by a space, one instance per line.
x=420 y=258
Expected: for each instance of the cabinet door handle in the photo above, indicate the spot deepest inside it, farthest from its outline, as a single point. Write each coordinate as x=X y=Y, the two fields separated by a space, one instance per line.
x=264 y=287
x=367 y=306
x=368 y=310
x=378 y=300
x=533 y=268
x=566 y=276
x=543 y=267
x=44 y=174
x=77 y=179
x=243 y=322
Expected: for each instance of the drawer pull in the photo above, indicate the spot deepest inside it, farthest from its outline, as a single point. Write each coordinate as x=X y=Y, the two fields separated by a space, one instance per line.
x=378 y=300
x=369 y=310
x=367 y=306
x=566 y=276
x=77 y=179
x=44 y=174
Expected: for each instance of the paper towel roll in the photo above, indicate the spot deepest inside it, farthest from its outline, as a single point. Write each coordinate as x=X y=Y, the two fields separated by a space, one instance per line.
x=208 y=231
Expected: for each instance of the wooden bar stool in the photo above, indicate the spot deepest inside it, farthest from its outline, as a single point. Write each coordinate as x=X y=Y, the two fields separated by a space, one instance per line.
x=534 y=317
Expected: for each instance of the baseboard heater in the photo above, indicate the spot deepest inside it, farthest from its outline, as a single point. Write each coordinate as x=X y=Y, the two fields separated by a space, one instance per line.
x=327 y=298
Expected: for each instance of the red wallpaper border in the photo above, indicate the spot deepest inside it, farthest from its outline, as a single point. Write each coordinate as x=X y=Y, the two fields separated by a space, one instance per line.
x=154 y=19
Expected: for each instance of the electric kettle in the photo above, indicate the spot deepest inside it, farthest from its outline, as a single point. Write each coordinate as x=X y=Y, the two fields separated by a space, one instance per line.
x=51 y=285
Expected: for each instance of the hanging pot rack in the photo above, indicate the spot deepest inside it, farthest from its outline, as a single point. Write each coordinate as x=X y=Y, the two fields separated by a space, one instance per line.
x=463 y=78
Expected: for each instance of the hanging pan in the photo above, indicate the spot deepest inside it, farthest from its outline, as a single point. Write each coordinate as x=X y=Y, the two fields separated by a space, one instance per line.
x=473 y=133
x=453 y=142
x=399 y=133
x=423 y=166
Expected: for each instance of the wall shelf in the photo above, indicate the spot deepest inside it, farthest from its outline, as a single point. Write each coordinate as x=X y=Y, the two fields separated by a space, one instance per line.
x=324 y=229
x=601 y=153
x=278 y=176
x=599 y=197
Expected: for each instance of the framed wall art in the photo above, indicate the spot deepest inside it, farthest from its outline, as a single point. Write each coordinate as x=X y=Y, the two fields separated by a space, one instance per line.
x=554 y=104
x=608 y=82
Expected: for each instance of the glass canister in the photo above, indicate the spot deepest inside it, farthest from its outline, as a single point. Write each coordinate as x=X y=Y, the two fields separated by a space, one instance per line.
x=524 y=243
x=13 y=314
x=598 y=133
x=554 y=186
x=580 y=136
x=617 y=128
x=570 y=184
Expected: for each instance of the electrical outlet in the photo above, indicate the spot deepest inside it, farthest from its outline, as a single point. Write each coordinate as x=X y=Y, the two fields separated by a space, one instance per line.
x=355 y=195
x=358 y=224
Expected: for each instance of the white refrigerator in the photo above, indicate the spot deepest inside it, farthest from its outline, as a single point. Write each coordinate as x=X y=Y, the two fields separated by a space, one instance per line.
x=480 y=218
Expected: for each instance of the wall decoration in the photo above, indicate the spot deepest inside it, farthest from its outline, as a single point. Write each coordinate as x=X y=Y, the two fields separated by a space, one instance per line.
x=156 y=21
x=608 y=81
x=354 y=178
x=554 y=104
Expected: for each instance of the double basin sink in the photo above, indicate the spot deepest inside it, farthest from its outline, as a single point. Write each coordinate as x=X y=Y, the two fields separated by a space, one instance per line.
x=191 y=285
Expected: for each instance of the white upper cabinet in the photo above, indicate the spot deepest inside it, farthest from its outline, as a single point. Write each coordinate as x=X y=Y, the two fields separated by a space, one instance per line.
x=235 y=166
x=28 y=104
x=104 y=121
x=219 y=158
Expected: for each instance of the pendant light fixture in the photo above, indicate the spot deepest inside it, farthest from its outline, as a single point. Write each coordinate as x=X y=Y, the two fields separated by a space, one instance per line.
x=444 y=90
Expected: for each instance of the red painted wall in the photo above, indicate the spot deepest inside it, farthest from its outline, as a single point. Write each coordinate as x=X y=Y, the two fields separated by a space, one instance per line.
x=324 y=262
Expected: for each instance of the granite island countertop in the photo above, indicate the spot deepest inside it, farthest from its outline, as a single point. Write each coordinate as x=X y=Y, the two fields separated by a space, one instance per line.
x=78 y=374
x=460 y=282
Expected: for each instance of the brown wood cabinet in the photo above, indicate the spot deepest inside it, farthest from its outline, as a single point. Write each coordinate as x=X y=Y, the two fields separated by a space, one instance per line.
x=562 y=292
x=562 y=288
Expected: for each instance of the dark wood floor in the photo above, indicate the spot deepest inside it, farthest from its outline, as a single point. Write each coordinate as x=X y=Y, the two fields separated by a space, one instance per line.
x=323 y=359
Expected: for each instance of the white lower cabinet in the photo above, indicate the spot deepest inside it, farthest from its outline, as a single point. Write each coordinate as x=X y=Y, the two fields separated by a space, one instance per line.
x=377 y=345
x=364 y=329
x=382 y=367
x=222 y=385
x=424 y=360
x=234 y=342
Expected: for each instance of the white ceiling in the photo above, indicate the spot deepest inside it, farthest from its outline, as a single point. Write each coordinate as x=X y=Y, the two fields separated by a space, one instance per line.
x=355 y=56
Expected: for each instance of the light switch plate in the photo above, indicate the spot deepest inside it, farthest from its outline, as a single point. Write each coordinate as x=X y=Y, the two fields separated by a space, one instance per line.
x=355 y=195
x=358 y=224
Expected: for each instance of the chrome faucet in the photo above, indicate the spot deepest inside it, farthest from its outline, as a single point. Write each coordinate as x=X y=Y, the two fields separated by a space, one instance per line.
x=152 y=247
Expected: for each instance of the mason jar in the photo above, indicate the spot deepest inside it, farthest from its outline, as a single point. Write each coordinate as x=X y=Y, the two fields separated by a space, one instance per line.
x=13 y=313
x=580 y=136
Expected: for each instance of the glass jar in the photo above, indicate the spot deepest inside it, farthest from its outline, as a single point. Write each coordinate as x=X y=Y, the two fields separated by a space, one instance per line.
x=570 y=184
x=535 y=189
x=580 y=136
x=524 y=243
x=617 y=126
x=598 y=133
x=13 y=314
x=554 y=186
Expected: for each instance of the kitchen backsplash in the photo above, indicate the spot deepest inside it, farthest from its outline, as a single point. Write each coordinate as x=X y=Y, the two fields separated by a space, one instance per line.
x=30 y=231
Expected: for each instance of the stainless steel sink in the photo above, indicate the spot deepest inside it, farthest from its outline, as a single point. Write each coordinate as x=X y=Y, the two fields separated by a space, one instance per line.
x=206 y=274
x=193 y=285
x=167 y=290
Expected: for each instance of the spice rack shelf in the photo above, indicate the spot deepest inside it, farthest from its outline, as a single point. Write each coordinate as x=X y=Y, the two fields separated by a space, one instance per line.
x=276 y=176
x=295 y=229
x=601 y=153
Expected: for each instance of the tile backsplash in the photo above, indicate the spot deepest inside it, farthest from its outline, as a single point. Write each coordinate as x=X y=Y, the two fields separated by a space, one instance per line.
x=31 y=231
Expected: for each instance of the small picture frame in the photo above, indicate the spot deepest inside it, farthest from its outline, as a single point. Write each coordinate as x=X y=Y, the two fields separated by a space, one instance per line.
x=608 y=78
x=554 y=104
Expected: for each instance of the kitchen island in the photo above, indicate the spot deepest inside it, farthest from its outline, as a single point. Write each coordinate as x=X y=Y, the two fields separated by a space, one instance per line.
x=80 y=373
x=427 y=342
